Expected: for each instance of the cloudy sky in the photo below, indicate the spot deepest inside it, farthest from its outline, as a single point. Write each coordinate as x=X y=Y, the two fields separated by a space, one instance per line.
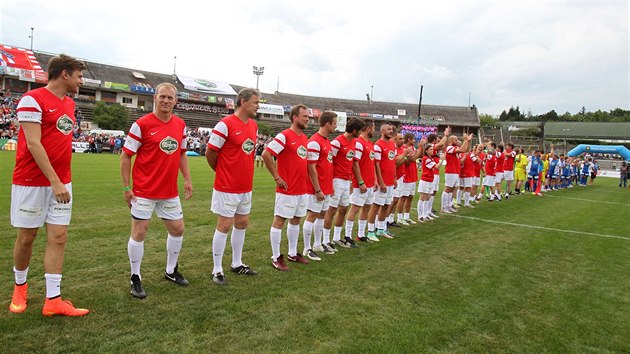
x=539 y=55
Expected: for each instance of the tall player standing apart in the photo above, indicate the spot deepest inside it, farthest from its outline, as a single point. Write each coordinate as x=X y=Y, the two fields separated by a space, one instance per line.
x=320 y=188
x=158 y=140
x=230 y=153
x=41 y=193
x=291 y=177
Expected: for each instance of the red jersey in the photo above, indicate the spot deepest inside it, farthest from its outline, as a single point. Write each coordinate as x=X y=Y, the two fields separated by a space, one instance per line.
x=343 y=156
x=56 y=116
x=470 y=163
x=491 y=162
x=411 y=170
x=500 y=162
x=290 y=152
x=481 y=158
x=320 y=154
x=453 y=165
x=235 y=141
x=510 y=156
x=385 y=154
x=158 y=147
x=364 y=153
x=429 y=167
x=402 y=168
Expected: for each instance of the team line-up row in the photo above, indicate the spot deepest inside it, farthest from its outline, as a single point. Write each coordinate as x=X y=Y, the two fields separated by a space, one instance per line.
x=326 y=183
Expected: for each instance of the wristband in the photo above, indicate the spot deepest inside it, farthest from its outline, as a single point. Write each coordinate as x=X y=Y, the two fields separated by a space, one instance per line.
x=318 y=191
x=361 y=183
x=126 y=189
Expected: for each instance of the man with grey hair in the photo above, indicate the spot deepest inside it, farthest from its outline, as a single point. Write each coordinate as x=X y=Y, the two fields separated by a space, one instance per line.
x=158 y=140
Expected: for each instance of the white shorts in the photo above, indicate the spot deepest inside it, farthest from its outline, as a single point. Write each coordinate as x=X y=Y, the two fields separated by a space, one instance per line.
x=476 y=181
x=290 y=206
x=316 y=206
x=259 y=158
x=167 y=209
x=399 y=189
x=488 y=181
x=384 y=198
x=425 y=187
x=341 y=194
x=436 y=182
x=451 y=179
x=360 y=199
x=498 y=178
x=508 y=175
x=32 y=207
x=466 y=182
x=228 y=204
x=409 y=188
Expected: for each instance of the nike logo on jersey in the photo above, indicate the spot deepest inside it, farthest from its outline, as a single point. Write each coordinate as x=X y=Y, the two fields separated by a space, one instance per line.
x=52 y=110
x=237 y=133
x=153 y=133
x=293 y=143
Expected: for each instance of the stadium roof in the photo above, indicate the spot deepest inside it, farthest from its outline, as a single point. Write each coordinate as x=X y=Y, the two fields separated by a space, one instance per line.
x=590 y=130
x=438 y=115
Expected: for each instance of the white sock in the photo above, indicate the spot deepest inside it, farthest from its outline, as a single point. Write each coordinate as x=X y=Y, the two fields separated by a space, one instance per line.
x=467 y=198
x=173 y=246
x=237 y=241
x=400 y=216
x=20 y=275
x=459 y=196
x=337 y=233
x=318 y=227
x=371 y=227
x=390 y=218
x=135 y=250
x=275 y=235
x=431 y=202
x=325 y=235
x=349 y=227
x=53 y=285
x=362 y=225
x=293 y=233
x=444 y=200
x=405 y=216
x=420 y=208
x=218 y=248
x=307 y=230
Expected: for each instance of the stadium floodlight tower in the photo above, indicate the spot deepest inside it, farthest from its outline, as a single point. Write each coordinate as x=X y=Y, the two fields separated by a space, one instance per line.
x=258 y=70
x=31 y=37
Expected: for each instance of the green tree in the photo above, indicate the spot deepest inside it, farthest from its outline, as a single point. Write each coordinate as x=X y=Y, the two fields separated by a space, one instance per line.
x=488 y=120
x=114 y=116
x=265 y=129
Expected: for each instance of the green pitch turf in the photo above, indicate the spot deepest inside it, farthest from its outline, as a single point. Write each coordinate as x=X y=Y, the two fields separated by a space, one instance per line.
x=529 y=274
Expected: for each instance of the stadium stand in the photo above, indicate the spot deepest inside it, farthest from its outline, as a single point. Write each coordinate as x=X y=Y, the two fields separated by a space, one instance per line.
x=133 y=88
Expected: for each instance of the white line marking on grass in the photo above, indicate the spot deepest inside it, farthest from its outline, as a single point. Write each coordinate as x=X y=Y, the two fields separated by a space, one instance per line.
x=540 y=227
x=585 y=200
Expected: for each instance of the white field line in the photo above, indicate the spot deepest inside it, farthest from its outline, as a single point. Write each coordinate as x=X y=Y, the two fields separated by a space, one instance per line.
x=586 y=200
x=540 y=227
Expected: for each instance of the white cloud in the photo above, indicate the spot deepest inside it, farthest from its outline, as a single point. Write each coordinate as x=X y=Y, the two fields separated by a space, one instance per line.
x=538 y=54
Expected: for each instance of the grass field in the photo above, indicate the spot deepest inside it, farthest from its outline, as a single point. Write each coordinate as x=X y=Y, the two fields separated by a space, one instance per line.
x=460 y=284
